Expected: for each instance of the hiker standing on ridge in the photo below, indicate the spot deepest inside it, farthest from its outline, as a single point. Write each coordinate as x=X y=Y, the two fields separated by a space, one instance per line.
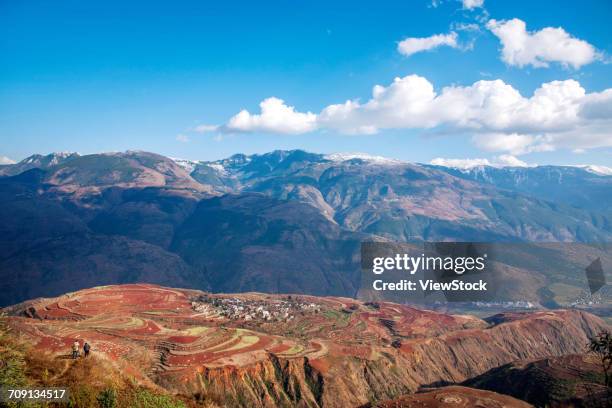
x=86 y=348
x=75 y=349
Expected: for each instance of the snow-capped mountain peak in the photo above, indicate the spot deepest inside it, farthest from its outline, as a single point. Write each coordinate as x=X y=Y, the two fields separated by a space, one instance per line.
x=188 y=165
x=340 y=157
x=597 y=169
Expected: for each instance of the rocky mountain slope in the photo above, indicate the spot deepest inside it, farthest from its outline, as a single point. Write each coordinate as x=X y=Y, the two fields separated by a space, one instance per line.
x=408 y=201
x=265 y=350
x=286 y=221
x=36 y=161
x=261 y=243
x=583 y=187
x=47 y=247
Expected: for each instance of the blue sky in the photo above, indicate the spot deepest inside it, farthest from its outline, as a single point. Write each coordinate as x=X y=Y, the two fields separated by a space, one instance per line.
x=111 y=76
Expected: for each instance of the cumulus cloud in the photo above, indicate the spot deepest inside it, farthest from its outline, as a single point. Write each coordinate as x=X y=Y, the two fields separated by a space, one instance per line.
x=406 y=103
x=597 y=105
x=513 y=143
x=411 y=102
x=521 y=47
x=559 y=114
x=275 y=117
x=413 y=45
x=472 y=4
x=6 y=160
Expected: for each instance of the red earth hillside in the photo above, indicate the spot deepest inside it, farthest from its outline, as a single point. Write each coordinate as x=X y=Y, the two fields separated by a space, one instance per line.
x=258 y=349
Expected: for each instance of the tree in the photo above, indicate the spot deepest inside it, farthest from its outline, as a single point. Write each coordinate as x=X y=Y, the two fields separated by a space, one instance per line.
x=12 y=362
x=601 y=346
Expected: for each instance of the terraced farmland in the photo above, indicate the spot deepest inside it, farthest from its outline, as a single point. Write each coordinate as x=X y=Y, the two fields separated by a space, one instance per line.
x=257 y=349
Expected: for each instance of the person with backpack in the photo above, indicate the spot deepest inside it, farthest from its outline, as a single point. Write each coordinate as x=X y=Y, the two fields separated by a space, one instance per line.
x=86 y=348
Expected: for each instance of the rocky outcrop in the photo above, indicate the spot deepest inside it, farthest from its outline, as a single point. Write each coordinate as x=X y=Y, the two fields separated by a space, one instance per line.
x=273 y=382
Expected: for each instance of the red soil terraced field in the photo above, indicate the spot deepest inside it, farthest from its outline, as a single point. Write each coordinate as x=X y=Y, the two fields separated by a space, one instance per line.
x=268 y=350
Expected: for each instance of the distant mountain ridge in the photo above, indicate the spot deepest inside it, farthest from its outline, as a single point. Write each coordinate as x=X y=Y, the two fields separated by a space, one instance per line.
x=276 y=222
x=36 y=161
x=578 y=183
x=407 y=189
x=510 y=177
x=580 y=187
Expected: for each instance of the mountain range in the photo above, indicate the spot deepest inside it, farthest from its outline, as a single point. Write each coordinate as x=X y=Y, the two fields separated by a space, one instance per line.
x=280 y=222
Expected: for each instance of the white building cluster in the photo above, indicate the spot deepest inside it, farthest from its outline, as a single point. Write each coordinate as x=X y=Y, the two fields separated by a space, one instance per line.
x=601 y=297
x=253 y=310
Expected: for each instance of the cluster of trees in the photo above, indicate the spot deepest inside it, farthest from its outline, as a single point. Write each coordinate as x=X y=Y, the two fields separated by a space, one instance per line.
x=601 y=345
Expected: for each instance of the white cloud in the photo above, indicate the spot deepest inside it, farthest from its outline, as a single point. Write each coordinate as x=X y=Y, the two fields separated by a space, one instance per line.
x=471 y=4
x=460 y=163
x=559 y=114
x=6 y=160
x=513 y=143
x=182 y=138
x=411 y=102
x=205 y=128
x=598 y=105
x=413 y=45
x=510 y=161
x=406 y=103
x=539 y=48
x=275 y=117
